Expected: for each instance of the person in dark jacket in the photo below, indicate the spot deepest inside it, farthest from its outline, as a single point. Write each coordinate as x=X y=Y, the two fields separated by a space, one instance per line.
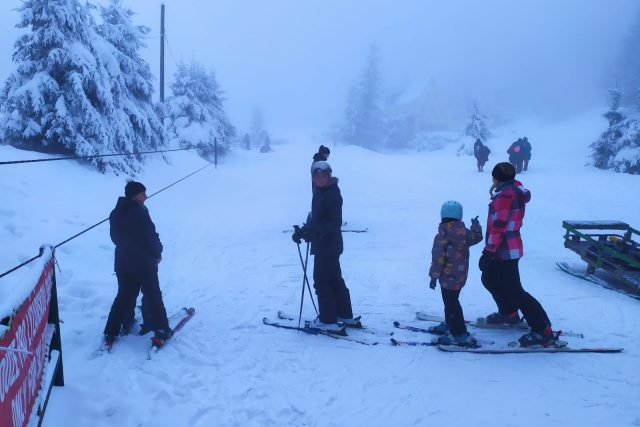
x=323 y=231
x=500 y=257
x=515 y=155
x=137 y=254
x=526 y=153
x=481 y=153
x=450 y=265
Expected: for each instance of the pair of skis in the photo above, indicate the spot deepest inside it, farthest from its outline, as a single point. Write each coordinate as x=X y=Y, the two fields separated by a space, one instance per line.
x=485 y=347
x=185 y=314
x=512 y=347
x=285 y=321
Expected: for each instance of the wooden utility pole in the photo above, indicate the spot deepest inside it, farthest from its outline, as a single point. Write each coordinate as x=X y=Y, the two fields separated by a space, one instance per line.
x=162 y=53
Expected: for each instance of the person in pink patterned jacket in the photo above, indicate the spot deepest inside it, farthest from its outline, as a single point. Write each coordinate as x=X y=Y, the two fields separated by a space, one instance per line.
x=450 y=265
x=500 y=257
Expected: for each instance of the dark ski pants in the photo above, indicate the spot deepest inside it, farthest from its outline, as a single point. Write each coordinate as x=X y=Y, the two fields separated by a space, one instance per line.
x=122 y=309
x=453 y=316
x=502 y=279
x=519 y=164
x=334 y=299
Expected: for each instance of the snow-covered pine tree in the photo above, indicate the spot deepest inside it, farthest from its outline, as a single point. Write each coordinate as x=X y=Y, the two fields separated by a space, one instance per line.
x=59 y=98
x=627 y=70
x=363 y=121
x=137 y=125
x=619 y=146
x=476 y=129
x=195 y=111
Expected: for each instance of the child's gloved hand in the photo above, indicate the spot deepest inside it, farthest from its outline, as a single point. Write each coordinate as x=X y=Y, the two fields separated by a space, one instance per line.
x=432 y=284
x=474 y=221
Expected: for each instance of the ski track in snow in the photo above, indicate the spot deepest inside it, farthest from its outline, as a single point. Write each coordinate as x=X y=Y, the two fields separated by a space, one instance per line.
x=225 y=254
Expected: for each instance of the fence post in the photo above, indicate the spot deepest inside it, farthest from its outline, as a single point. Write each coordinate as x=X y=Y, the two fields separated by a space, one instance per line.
x=56 y=340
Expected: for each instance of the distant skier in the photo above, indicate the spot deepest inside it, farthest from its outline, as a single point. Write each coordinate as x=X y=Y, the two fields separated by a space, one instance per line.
x=481 y=153
x=515 y=155
x=500 y=257
x=137 y=255
x=323 y=231
x=450 y=265
x=526 y=153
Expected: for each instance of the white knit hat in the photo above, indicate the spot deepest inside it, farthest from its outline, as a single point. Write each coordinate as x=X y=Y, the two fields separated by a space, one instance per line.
x=320 y=166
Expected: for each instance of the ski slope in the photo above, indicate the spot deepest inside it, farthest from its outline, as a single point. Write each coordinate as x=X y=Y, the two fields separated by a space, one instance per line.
x=226 y=255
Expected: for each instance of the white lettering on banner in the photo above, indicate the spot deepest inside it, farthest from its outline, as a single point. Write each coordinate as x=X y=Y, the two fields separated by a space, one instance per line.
x=31 y=385
x=17 y=409
x=9 y=371
x=12 y=363
x=37 y=310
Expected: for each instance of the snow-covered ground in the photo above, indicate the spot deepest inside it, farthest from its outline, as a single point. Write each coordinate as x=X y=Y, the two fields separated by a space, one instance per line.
x=227 y=256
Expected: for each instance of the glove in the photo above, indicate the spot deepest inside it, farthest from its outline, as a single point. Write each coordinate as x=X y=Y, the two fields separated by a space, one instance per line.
x=485 y=260
x=307 y=233
x=432 y=284
x=474 y=221
x=297 y=235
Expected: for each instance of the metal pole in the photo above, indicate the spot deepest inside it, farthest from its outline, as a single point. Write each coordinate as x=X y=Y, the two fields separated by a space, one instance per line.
x=162 y=53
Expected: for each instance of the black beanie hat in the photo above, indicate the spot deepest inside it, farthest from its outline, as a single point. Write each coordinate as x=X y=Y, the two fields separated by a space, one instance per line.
x=503 y=172
x=132 y=188
x=324 y=150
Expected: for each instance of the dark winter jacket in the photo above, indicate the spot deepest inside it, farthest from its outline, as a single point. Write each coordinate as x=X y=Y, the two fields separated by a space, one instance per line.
x=526 y=150
x=506 y=213
x=138 y=246
x=481 y=151
x=326 y=220
x=515 y=150
x=450 y=253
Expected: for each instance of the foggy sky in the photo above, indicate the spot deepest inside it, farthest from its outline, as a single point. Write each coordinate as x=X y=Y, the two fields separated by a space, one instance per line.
x=295 y=59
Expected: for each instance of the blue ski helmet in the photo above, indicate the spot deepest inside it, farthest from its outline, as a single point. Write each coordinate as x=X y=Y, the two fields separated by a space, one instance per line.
x=451 y=209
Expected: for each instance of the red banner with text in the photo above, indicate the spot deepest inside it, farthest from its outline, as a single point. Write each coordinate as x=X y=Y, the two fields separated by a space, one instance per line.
x=23 y=352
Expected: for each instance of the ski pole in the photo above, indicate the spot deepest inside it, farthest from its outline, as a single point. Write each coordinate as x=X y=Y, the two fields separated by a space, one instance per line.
x=303 y=283
x=306 y=262
x=304 y=272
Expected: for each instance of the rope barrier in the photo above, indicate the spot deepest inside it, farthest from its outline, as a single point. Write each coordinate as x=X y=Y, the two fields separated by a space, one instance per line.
x=98 y=223
x=13 y=162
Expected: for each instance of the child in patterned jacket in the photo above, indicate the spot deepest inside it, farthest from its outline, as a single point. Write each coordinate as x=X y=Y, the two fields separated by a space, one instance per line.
x=450 y=266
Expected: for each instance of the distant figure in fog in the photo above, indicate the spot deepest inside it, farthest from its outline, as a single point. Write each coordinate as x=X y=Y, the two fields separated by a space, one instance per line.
x=526 y=152
x=515 y=155
x=481 y=153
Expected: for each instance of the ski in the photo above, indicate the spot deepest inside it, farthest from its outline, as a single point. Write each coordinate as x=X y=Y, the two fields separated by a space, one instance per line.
x=157 y=345
x=433 y=343
x=415 y=328
x=397 y=342
x=314 y=331
x=524 y=350
x=364 y=329
x=480 y=323
x=344 y=230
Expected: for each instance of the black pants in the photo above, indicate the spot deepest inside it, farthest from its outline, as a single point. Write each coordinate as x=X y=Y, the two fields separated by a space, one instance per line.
x=502 y=280
x=526 y=164
x=334 y=299
x=129 y=286
x=519 y=162
x=453 y=316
